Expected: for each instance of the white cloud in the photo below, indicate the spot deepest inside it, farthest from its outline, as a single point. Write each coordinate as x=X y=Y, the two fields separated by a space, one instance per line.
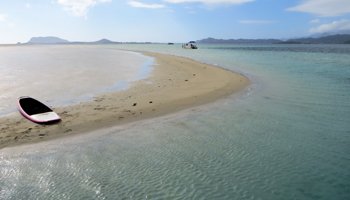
x=256 y=22
x=5 y=21
x=210 y=1
x=138 y=4
x=3 y=17
x=323 y=8
x=79 y=7
x=11 y=25
x=335 y=26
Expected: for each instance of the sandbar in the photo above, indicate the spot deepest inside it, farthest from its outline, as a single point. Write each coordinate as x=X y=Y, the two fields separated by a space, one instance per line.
x=176 y=83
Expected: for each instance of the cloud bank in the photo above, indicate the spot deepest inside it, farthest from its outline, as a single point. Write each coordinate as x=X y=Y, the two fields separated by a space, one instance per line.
x=138 y=4
x=335 y=26
x=323 y=8
x=79 y=7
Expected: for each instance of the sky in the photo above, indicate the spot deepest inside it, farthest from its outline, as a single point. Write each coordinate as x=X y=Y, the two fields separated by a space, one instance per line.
x=170 y=20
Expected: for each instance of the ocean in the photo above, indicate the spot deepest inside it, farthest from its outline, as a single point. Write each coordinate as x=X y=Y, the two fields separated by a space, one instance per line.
x=287 y=136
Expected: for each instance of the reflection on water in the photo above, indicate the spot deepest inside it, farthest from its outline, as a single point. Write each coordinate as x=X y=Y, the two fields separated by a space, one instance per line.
x=66 y=73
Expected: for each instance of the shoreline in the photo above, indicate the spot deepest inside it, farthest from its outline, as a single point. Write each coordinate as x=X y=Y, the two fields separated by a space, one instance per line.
x=176 y=83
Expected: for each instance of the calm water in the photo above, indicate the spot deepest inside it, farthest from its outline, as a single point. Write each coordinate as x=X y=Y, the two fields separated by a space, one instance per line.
x=63 y=75
x=286 y=137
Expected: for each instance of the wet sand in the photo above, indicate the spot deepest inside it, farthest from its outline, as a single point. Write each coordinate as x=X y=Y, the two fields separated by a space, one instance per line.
x=175 y=84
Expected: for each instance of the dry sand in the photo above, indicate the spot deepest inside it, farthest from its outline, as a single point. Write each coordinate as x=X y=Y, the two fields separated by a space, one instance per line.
x=176 y=83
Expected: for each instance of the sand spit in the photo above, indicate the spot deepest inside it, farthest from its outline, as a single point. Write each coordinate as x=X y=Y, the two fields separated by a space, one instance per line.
x=176 y=83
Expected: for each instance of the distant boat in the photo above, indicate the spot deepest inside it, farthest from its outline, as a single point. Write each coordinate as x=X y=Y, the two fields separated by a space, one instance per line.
x=190 y=45
x=36 y=111
x=170 y=43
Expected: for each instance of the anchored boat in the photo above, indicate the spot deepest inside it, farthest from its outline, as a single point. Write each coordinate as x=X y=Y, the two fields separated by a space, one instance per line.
x=190 y=45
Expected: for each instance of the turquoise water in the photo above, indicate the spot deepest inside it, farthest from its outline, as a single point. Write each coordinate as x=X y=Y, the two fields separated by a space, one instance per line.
x=287 y=136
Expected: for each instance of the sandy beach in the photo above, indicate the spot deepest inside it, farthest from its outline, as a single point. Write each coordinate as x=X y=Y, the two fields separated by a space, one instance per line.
x=175 y=84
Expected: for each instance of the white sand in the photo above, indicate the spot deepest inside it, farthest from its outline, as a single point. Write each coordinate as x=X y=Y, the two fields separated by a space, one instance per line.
x=176 y=83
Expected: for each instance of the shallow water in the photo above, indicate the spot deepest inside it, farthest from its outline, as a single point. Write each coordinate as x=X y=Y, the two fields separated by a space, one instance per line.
x=286 y=137
x=62 y=75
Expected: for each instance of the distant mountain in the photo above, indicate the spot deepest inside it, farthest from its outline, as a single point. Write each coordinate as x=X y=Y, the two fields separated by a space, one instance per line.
x=47 y=40
x=329 y=39
x=57 y=40
x=104 y=41
x=238 y=41
x=342 y=32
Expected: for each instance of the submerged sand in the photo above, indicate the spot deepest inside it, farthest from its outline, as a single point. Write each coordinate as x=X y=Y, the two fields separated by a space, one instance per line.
x=176 y=83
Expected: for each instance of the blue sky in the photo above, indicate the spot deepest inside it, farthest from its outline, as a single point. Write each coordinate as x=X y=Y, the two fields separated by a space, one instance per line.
x=170 y=20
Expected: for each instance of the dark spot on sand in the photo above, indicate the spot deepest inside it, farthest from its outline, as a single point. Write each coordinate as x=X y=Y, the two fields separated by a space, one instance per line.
x=194 y=74
x=134 y=104
x=68 y=130
x=27 y=131
x=150 y=102
x=121 y=117
x=42 y=134
x=186 y=80
x=99 y=99
x=16 y=137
